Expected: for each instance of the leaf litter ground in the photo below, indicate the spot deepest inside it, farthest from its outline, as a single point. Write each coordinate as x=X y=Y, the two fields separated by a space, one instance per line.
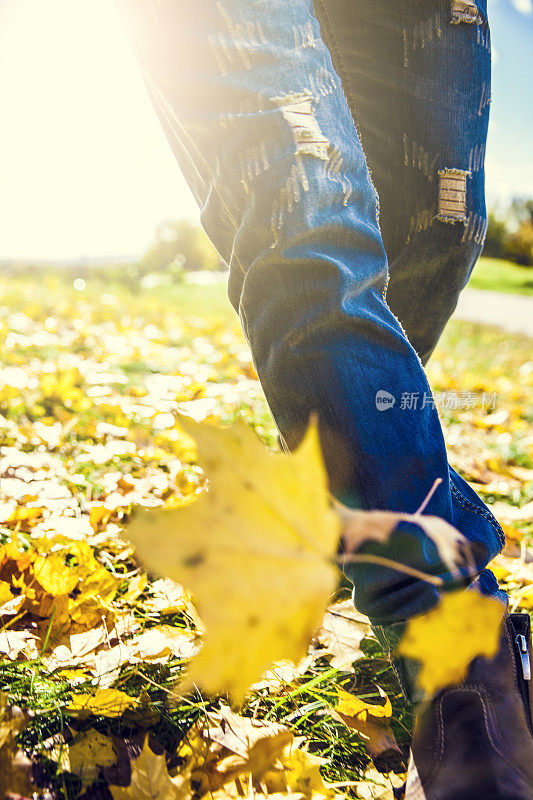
x=91 y=647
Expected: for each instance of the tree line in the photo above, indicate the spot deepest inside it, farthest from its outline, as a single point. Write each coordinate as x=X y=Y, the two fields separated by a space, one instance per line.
x=510 y=233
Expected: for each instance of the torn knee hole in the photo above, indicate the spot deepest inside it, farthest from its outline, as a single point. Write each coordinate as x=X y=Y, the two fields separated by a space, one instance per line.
x=465 y=11
x=452 y=195
x=297 y=110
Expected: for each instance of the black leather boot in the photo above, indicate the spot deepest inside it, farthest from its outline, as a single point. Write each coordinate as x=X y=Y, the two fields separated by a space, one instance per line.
x=474 y=741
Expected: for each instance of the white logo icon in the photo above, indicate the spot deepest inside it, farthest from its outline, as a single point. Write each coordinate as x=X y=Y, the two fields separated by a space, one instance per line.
x=384 y=400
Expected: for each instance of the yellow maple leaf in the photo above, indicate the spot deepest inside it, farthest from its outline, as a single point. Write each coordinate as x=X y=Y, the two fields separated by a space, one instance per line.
x=351 y=706
x=256 y=550
x=5 y=593
x=445 y=640
x=303 y=775
x=371 y=720
x=104 y=702
x=136 y=587
x=150 y=780
x=54 y=575
x=98 y=515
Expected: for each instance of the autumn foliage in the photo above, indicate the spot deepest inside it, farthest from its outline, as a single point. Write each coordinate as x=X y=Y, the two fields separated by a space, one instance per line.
x=125 y=644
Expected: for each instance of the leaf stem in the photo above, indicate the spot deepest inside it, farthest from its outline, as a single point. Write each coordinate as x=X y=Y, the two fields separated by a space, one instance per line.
x=388 y=562
x=428 y=497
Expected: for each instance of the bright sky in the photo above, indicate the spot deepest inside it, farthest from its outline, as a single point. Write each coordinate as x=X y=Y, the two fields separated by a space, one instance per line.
x=85 y=169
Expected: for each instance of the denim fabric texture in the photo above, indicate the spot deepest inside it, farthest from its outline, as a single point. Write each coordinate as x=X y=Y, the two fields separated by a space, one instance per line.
x=288 y=120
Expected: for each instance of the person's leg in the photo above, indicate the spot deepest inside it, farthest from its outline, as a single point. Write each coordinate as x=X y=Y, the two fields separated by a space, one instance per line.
x=259 y=122
x=417 y=80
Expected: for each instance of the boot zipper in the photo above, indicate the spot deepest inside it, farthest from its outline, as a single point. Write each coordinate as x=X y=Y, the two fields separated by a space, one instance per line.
x=524 y=677
x=521 y=643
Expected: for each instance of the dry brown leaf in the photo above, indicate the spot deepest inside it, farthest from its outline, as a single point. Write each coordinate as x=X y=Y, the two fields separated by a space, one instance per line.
x=362 y=526
x=162 y=641
x=341 y=633
x=376 y=786
x=283 y=674
x=257 y=743
x=14 y=643
x=15 y=768
x=150 y=780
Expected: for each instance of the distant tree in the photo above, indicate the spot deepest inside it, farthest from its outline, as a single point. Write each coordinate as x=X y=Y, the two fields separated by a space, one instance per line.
x=519 y=243
x=495 y=239
x=180 y=245
x=511 y=235
x=521 y=210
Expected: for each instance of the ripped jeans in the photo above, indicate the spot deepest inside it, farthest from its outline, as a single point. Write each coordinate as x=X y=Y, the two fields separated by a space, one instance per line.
x=268 y=105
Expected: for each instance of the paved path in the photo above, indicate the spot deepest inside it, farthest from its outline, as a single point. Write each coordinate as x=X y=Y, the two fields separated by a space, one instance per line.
x=512 y=312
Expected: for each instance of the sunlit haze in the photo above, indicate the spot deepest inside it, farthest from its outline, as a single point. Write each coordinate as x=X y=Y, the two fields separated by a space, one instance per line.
x=85 y=169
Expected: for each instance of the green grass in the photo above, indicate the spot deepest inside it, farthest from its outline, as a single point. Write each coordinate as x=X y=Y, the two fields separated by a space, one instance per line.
x=481 y=349
x=196 y=300
x=499 y=275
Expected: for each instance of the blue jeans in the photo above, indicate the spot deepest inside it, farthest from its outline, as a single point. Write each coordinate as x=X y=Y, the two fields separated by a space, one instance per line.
x=267 y=105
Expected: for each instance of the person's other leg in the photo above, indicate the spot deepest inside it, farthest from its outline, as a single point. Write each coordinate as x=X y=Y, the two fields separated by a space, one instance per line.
x=417 y=76
x=417 y=80
x=257 y=117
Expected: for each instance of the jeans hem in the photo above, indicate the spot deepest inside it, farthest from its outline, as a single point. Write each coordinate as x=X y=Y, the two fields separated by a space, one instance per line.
x=485 y=513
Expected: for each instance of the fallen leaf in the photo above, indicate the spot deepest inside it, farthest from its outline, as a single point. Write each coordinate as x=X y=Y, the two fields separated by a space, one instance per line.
x=353 y=708
x=150 y=780
x=106 y=664
x=341 y=632
x=15 y=767
x=375 y=786
x=12 y=607
x=136 y=587
x=5 y=593
x=54 y=575
x=13 y=643
x=89 y=752
x=163 y=641
x=79 y=646
x=303 y=775
x=507 y=513
x=258 y=743
x=283 y=674
x=167 y=597
x=524 y=597
x=372 y=722
x=104 y=702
